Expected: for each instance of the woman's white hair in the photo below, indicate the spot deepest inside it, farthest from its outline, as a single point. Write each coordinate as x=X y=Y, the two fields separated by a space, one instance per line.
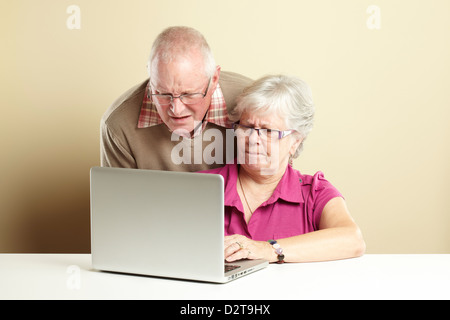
x=287 y=96
x=180 y=41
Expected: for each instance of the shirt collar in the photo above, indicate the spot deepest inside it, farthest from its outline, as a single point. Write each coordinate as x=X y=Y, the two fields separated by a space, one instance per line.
x=288 y=189
x=217 y=112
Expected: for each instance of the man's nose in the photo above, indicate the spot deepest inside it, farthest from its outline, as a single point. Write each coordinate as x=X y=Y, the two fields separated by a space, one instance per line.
x=177 y=106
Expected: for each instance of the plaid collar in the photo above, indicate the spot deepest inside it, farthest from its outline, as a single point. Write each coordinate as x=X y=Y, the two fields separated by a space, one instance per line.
x=217 y=112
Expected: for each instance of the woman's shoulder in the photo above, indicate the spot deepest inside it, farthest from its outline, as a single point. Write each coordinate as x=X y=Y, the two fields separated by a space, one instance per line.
x=316 y=192
x=316 y=183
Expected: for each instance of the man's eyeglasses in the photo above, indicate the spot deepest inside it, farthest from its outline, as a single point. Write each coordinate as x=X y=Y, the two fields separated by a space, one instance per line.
x=264 y=134
x=187 y=98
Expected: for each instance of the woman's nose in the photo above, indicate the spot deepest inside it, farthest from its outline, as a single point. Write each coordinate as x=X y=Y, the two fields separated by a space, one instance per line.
x=254 y=136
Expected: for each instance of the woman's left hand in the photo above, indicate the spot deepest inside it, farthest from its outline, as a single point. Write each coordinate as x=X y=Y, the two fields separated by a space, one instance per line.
x=239 y=247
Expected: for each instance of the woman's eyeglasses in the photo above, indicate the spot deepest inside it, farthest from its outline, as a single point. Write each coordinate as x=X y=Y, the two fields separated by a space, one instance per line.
x=264 y=134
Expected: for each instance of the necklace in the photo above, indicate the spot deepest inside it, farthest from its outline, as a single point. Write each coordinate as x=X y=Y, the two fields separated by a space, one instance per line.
x=243 y=192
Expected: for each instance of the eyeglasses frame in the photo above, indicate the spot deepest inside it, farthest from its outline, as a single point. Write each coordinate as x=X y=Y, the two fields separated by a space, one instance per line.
x=149 y=95
x=281 y=133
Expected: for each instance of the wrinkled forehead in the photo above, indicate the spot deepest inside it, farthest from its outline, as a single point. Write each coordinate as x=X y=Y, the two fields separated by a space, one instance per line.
x=191 y=61
x=182 y=73
x=263 y=118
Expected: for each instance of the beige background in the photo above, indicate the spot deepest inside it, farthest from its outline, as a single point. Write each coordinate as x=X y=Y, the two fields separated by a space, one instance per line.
x=382 y=97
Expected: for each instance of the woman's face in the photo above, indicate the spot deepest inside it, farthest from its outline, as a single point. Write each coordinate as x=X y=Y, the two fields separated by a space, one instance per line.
x=264 y=152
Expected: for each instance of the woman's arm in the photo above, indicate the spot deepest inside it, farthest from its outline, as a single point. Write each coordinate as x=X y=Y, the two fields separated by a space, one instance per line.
x=338 y=237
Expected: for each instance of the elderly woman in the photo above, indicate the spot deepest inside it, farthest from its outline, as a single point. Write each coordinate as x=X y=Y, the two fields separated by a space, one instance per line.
x=273 y=211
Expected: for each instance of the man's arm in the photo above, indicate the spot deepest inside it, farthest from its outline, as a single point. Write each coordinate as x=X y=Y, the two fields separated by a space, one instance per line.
x=112 y=152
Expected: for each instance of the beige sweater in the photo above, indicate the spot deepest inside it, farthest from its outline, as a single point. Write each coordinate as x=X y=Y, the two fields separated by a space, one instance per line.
x=123 y=144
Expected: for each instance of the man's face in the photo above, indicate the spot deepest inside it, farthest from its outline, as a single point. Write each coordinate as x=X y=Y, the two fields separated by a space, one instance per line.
x=182 y=75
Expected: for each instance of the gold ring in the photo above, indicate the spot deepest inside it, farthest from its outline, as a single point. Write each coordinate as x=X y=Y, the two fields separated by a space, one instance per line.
x=240 y=245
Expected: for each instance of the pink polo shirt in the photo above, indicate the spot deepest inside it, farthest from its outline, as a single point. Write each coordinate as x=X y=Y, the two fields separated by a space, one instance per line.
x=294 y=208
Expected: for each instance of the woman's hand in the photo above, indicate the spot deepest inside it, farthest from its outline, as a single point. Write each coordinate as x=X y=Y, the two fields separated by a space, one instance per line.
x=238 y=247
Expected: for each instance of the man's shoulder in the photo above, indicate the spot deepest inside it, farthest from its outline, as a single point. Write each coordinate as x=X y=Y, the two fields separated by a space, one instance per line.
x=230 y=78
x=232 y=85
x=129 y=103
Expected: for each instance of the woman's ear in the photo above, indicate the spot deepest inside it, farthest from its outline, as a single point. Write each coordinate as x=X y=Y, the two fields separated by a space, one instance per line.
x=297 y=141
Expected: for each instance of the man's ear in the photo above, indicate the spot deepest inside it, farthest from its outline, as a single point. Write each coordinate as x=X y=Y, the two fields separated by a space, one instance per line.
x=215 y=79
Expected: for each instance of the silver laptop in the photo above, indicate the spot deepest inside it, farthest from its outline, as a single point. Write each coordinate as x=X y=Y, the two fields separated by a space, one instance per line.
x=161 y=223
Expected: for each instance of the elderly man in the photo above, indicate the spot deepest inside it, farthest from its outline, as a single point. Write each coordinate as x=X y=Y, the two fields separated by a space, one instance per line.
x=178 y=118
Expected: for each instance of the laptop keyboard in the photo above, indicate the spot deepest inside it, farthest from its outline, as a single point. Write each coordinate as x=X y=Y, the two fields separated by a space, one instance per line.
x=229 y=267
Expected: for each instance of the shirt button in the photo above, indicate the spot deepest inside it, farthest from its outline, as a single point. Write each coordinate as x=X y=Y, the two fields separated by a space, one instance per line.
x=300 y=180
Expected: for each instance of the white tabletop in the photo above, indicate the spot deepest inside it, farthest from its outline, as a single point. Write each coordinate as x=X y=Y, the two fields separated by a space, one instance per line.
x=70 y=276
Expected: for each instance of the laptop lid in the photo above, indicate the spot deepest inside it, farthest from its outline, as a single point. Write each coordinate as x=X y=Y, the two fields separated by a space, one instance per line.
x=159 y=223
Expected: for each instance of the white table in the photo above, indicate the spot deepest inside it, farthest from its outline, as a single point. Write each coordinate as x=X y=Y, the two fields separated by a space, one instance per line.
x=70 y=276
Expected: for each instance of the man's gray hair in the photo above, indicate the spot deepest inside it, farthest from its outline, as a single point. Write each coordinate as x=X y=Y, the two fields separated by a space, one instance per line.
x=287 y=96
x=180 y=41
